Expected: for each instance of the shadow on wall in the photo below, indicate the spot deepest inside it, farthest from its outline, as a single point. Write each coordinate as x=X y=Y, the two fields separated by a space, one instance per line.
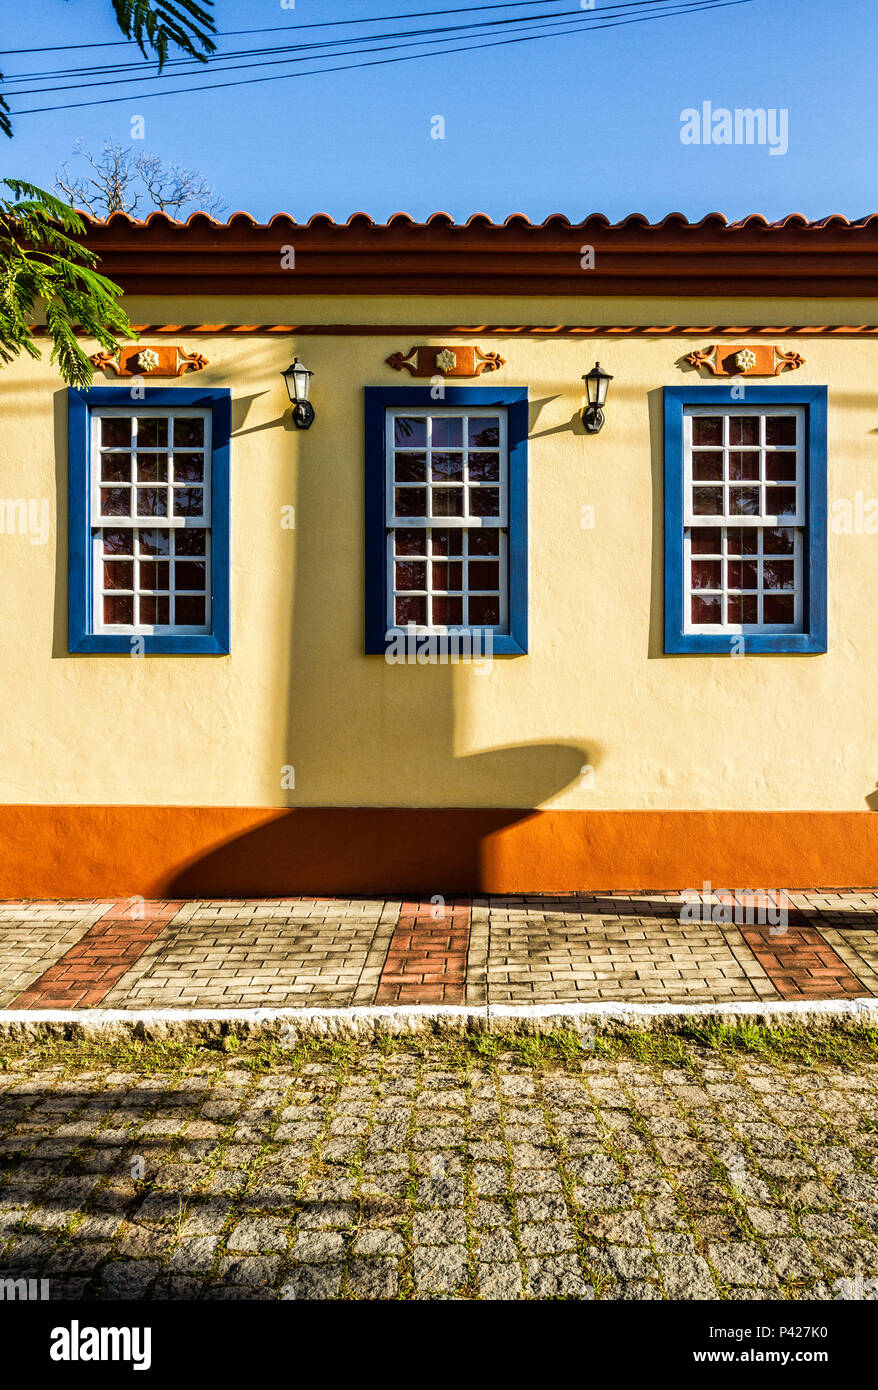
x=366 y=740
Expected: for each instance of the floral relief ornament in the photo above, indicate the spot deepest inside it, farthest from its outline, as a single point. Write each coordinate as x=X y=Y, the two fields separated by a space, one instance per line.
x=161 y=360
x=760 y=359
x=446 y=360
x=147 y=360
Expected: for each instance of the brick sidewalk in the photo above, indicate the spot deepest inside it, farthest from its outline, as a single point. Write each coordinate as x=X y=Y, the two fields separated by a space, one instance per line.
x=334 y=953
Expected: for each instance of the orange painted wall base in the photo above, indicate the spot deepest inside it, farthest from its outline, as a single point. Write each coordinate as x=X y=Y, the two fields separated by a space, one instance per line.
x=180 y=852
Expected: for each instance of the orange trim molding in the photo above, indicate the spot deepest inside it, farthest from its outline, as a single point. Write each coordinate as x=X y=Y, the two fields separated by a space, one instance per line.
x=527 y=330
x=186 y=852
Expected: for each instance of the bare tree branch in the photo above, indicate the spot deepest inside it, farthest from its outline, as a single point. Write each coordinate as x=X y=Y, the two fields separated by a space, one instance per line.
x=121 y=181
x=111 y=188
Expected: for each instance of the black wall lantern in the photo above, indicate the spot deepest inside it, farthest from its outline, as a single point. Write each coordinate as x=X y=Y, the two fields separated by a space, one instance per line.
x=596 y=383
x=298 y=382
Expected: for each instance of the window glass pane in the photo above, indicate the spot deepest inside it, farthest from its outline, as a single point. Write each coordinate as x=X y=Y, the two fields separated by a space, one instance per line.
x=410 y=542
x=707 y=609
x=447 y=467
x=118 y=542
x=118 y=574
x=485 y=541
x=189 y=542
x=447 y=542
x=778 y=574
x=707 y=540
x=778 y=608
x=152 y=501
x=447 y=575
x=484 y=468
x=484 y=574
x=189 y=612
x=188 y=432
x=189 y=574
x=189 y=468
x=707 y=429
x=780 y=501
x=447 y=612
x=780 y=466
x=116 y=432
x=744 y=465
x=777 y=540
x=410 y=468
x=743 y=574
x=188 y=501
x=412 y=431
x=743 y=608
x=115 y=501
x=411 y=574
x=484 y=610
x=448 y=501
x=707 y=574
x=119 y=608
x=411 y=610
x=707 y=501
x=152 y=430
x=780 y=429
x=115 y=468
x=707 y=466
x=447 y=432
x=155 y=612
x=741 y=540
x=152 y=468
x=411 y=501
x=155 y=574
x=743 y=429
x=743 y=501
x=484 y=501
x=483 y=432
x=154 y=542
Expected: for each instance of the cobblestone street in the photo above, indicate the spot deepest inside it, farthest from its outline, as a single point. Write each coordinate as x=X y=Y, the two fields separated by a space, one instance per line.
x=383 y=1173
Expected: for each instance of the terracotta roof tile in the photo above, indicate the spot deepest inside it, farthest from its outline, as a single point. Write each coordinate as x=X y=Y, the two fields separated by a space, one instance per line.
x=830 y=257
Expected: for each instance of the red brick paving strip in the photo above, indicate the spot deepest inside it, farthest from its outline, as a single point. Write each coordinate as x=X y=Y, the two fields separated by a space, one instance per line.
x=86 y=973
x=800 y=963
x=426 y=959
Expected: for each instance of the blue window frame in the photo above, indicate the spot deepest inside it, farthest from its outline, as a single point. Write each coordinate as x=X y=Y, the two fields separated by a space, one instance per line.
x=745 y=519
x=148 y=550
x=446 y=516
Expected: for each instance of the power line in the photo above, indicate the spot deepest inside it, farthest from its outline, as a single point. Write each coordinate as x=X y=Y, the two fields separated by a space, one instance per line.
x=285 y=28
x=689 y=8
x=416 y=38
x=197 y=66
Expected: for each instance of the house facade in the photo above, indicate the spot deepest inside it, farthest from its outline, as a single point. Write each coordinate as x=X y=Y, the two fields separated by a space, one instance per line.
x=450 y=637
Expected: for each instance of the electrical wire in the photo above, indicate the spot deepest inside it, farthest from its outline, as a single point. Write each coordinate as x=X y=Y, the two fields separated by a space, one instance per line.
x=576 y=19
x=691 y=7
x=285 y=28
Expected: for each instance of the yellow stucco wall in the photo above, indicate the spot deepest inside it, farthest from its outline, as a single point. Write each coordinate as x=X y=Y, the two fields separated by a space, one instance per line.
x=754 y=732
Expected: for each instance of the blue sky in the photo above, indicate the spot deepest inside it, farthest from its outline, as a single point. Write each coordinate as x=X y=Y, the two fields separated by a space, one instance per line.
x=586 y=122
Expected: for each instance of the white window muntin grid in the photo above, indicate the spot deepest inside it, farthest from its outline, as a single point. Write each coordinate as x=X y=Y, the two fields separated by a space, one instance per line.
x=467 y=486
x=466 y=593
x=167 y=524
x=725 y=593
x=727 y=518
x=172 y=593
x=440 y=523
x=151 y=412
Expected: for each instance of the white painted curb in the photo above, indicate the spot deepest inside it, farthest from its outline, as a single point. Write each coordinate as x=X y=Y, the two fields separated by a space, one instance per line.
x=291 y=1025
